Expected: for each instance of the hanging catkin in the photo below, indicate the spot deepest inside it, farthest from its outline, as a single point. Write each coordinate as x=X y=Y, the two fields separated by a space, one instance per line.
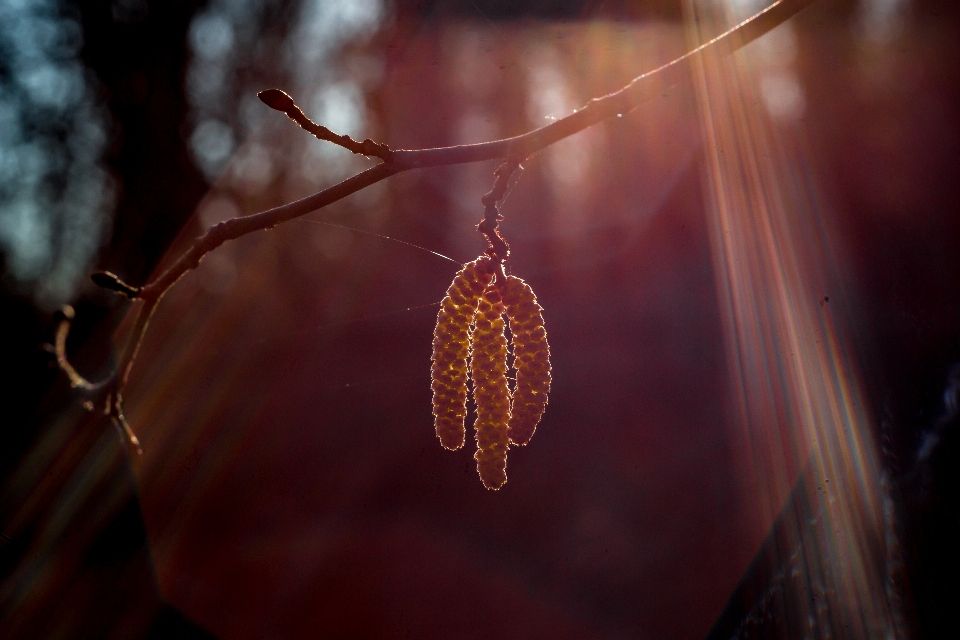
x=470 y=337
x=451 y=349
x=490 y=390
x=531 y=359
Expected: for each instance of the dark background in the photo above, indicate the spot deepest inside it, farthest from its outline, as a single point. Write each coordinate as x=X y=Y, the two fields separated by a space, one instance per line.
x=228 y=545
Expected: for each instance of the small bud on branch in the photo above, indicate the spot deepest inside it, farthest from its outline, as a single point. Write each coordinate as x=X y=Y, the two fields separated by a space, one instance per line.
x=276 y=99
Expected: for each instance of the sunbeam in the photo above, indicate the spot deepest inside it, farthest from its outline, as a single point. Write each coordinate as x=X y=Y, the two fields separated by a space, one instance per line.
x=795 y=388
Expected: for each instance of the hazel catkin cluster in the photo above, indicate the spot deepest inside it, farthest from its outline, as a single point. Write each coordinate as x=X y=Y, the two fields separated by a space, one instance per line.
x=470 y=329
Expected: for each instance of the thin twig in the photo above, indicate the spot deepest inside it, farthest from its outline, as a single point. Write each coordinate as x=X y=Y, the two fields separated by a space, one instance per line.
x=497 y=247
x=513 y=150
x=279 y=100
x=77 y=381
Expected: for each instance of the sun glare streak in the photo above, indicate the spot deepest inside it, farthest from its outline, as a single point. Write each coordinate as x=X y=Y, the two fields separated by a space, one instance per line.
x=795 y=388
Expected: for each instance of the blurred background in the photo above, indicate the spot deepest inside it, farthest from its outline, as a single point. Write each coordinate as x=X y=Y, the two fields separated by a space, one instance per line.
x=751 y=288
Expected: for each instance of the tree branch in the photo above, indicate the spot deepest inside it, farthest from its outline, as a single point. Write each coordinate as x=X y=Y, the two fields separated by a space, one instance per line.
x=77 y=381
x=513 y=150
x=279 y=100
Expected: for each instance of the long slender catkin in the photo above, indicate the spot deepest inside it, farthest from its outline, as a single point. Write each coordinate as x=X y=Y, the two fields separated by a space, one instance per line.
x=490 y=390
x=531 y=359
x=451 y=349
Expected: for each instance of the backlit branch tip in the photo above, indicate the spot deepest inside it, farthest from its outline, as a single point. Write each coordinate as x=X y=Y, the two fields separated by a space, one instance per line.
x=279 y=100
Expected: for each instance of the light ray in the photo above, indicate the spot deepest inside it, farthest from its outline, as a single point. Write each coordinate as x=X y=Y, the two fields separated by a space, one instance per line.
x=797 y=396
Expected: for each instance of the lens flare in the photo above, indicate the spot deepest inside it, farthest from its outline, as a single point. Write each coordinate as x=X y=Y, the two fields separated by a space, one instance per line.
x=795 y=386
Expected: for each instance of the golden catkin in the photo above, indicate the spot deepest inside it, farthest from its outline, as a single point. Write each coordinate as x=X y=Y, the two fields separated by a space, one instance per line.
x=490 y=390
x=531 y=359
x=451 y=349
